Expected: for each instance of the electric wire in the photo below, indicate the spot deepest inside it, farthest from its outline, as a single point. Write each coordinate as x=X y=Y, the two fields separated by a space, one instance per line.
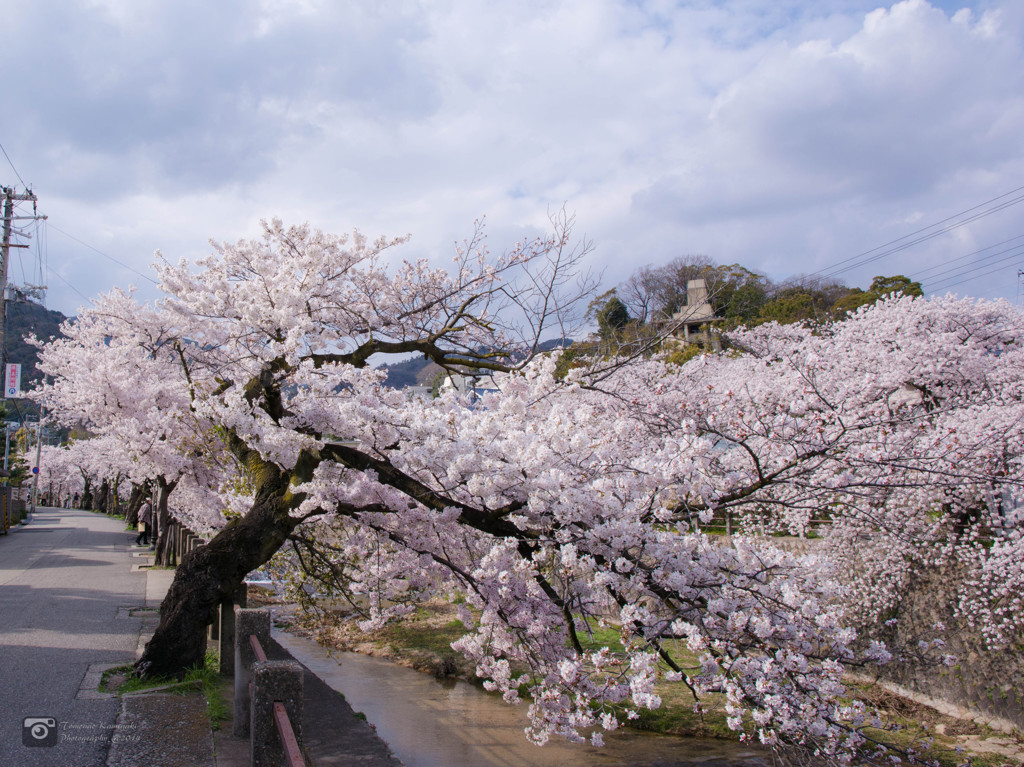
x=45 y=264
x=923 y=234
x=965 y=269
x=44 y=254
x=57 y=274
x=105 y=255
x=923 y=238
x=11 y=163
x=39 y=263
x=959 y=279
x=919 y=275
x=974 y=277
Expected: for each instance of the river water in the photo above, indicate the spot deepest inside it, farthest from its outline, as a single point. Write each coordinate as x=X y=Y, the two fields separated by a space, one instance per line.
x=431 y=723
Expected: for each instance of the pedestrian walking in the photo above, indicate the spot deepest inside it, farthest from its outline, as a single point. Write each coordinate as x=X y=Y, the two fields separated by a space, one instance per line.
x=145 y=517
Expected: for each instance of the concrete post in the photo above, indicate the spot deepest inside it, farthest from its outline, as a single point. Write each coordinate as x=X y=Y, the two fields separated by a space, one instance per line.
x=273 y=680
x=247 y=622
x=226 y=651
x=172 y=543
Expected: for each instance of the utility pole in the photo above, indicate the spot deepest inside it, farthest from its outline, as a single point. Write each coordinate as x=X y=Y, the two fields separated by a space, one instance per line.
x=10 y=196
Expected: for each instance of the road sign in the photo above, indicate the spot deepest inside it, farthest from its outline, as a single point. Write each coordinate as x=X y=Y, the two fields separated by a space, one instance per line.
x=12 y=381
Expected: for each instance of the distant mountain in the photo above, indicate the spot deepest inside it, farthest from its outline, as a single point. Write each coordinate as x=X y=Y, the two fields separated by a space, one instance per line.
x=410 y=372
x=25 y=318
x=421 y=371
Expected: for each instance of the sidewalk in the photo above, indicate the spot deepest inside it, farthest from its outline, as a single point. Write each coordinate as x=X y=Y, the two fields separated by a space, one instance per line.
x=67 y=596
x=175 y=729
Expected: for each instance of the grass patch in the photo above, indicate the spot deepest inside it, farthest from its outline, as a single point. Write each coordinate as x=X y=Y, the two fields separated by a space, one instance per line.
x=209 y=678
x=422 y=639
x=607 y=636
x=914 y=723
x=123 y=680
x=421 y=632
x=943 y=750
x=109 y=516
x=676 y=715
x=113 y=678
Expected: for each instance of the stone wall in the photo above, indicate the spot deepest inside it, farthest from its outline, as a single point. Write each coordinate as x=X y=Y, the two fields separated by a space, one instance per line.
x=988 y=683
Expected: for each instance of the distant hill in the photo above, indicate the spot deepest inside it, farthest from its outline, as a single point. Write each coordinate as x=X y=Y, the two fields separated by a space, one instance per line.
x=410 y=372
x=25 y=318
x=422 y=371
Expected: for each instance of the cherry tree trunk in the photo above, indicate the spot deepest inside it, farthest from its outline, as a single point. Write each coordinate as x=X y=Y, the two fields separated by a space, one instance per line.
x=114 y=497
x=161 y=520
x=131 y=513
x=86 y=500
x=208 y=575
x=101 y=499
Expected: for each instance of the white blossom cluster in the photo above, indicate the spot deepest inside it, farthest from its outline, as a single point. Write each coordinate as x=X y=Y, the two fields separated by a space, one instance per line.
x=554 y=504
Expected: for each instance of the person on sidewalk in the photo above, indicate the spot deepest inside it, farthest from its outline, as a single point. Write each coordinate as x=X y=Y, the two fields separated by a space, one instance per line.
x=145 y=517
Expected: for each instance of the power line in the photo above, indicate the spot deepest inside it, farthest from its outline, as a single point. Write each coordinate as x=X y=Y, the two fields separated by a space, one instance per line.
x=105 y=255
x=924 y=234
x=974 y=277
x=45 y=267
x=924 y=272
x=983 y=263
x=73 y=288
x=9 y=162
x=42 y=243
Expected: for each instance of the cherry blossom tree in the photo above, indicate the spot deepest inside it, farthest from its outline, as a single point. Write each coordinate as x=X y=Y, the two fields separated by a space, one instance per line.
x=59 y=473
x=898 y=427
x=902 y=427
x=269 y=350
x=555 y=505
x=118 y=373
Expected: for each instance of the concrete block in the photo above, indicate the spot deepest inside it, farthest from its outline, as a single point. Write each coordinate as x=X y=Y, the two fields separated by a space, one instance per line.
x=272 y=681
x=247 y=622
x=227 y=635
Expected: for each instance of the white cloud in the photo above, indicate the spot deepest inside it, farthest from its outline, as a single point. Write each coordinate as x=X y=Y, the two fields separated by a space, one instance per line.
x=785 y=135
x=910 y=100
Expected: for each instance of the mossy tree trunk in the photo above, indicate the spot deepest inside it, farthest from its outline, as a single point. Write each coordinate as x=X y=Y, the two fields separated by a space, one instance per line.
x=86 y=500
x=212 y=573
x=162 y=519
x=135 y=500
x=101 y=497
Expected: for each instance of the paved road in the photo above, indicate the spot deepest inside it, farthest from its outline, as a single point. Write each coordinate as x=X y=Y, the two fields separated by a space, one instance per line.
x=66 y=588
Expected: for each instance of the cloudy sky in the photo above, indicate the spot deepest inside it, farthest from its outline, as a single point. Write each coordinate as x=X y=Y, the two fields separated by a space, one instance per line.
x=790 y=136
